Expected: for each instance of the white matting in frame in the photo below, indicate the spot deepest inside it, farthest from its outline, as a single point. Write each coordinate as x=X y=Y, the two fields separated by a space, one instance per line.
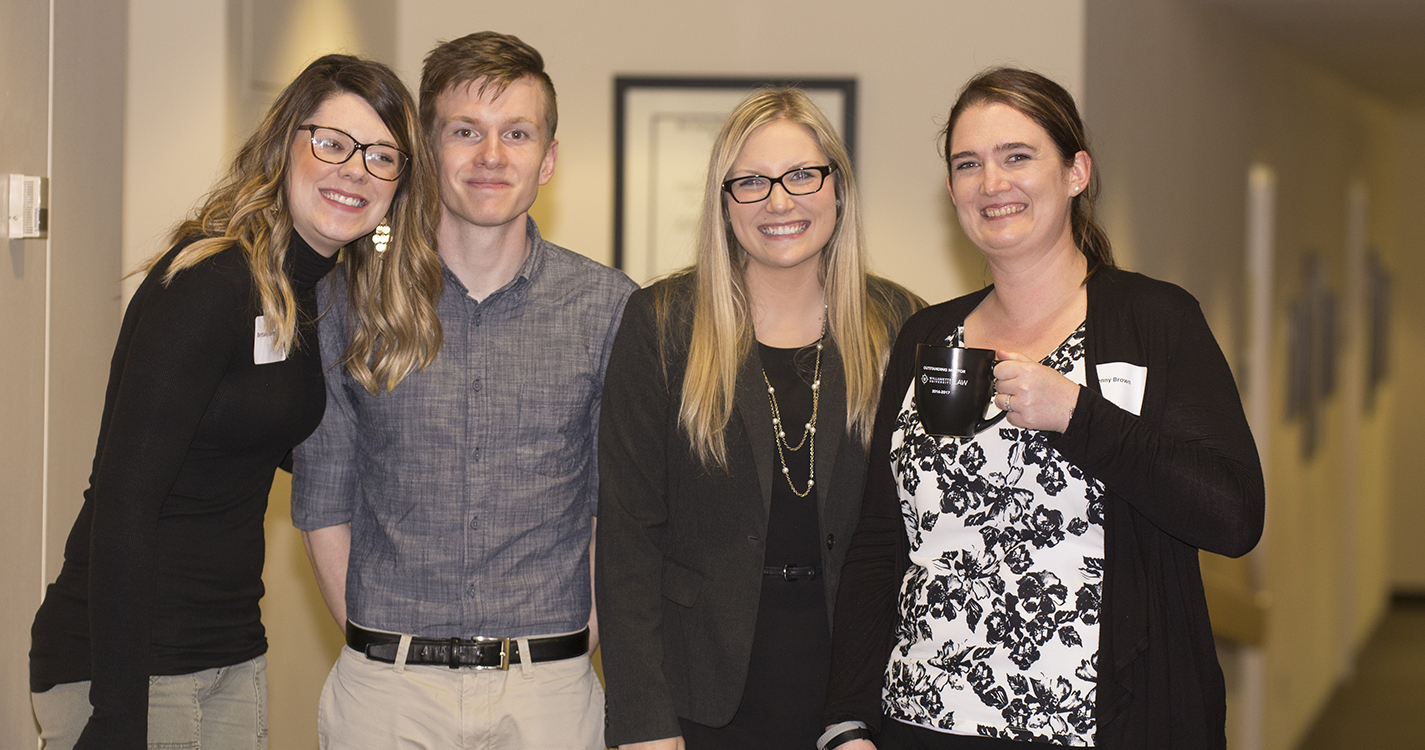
x=664 y=133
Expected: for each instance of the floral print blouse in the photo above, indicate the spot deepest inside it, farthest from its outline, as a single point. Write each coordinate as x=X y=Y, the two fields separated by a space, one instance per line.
x=999 y=610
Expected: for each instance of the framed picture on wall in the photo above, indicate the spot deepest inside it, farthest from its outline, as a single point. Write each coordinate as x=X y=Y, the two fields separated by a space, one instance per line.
x=1378 y=319
x=664 y=128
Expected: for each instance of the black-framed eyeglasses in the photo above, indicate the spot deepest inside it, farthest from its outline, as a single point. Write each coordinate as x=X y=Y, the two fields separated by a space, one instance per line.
x=336 y=146
x=799 y=181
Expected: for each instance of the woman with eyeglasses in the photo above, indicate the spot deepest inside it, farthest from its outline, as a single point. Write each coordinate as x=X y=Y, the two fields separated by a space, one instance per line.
x=151 y=636
x=737 y=407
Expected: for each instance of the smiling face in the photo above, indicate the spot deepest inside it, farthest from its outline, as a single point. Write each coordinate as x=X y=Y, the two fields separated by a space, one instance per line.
x=1011 y=189
x=783 y=231
x=334 y=204
x=493 y=152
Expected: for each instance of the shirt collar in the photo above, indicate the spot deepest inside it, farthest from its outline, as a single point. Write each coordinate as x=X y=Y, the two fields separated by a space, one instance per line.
x=534 y=262
x=527 y=274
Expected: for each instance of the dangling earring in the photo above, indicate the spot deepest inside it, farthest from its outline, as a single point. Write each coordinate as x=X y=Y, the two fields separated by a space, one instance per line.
x=382 y=236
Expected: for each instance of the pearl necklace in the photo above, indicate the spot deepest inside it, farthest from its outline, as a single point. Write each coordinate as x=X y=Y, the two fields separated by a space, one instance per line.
x=809 y=431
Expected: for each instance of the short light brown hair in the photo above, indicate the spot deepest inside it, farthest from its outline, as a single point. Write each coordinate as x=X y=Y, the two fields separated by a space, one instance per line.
x=499 y=59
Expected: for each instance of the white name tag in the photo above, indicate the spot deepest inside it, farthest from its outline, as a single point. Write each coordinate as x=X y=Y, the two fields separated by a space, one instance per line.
x=263 y=351
x=1123 y=384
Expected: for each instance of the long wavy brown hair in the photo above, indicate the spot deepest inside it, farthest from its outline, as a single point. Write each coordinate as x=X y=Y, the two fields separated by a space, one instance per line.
x=392 y=294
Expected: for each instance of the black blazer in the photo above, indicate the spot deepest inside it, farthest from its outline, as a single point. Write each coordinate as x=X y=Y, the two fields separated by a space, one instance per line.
x=680 y=548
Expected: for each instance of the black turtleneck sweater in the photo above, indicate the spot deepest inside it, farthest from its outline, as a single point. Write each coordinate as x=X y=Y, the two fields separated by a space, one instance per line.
x=163 y=568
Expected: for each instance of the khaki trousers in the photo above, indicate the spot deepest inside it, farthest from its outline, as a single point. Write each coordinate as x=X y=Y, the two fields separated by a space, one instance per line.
x=539 y=706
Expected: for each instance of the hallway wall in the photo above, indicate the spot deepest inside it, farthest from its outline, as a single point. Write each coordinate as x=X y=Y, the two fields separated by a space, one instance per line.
x=1406 y=471
x=62 y=69
x=1183 y=101
x=24 y=147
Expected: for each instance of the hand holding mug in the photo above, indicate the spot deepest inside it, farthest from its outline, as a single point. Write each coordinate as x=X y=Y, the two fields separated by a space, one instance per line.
x=1036 y=396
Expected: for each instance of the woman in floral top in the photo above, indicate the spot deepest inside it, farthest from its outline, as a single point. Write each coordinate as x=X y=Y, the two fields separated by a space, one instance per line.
x=1038 y=582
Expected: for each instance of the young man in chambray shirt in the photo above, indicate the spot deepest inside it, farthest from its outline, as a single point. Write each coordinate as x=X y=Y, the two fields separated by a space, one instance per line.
x=460 y=505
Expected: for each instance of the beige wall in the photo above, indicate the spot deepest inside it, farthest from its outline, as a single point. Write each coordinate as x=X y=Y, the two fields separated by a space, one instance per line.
x=24 y=147
x=1405 y=470
x=176 y=133
x=59 y=298
x=1182 y=102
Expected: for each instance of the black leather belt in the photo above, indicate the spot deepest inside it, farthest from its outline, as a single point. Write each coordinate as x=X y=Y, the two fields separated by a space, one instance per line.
x=793 y=572
x=478 y=652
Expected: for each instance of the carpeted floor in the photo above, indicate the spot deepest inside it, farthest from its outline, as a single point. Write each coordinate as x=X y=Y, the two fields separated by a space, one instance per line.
x=1384 y=705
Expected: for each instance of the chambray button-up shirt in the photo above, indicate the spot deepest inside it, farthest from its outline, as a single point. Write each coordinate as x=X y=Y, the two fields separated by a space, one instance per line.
x=470 y=488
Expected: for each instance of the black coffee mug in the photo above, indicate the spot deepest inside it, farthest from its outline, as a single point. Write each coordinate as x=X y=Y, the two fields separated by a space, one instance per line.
x=953 y=387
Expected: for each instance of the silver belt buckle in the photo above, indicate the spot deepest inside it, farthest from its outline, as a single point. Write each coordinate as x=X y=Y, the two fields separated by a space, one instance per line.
x=504 y=652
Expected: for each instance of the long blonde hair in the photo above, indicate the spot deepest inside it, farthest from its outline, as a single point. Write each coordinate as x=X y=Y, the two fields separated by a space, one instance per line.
x=392 y=294
x=861 y=324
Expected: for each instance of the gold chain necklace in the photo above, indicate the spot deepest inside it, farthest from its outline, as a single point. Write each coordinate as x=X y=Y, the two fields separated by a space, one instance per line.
x=808 y=433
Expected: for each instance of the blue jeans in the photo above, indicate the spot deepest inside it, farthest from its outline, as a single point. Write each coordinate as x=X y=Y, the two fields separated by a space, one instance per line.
x=215 y=709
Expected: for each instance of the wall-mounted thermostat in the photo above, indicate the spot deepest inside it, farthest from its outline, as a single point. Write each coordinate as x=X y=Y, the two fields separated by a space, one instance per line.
x=26 y=212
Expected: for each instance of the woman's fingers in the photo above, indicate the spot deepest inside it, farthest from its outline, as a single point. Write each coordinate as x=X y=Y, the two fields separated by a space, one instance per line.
x=1037 y=397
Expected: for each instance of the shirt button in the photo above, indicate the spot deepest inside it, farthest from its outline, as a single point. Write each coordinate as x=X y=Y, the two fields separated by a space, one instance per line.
x=476 y=385
x=470 y=591
x=830 y=541
x=474 y=454
x=478 y=318
x=475 y=522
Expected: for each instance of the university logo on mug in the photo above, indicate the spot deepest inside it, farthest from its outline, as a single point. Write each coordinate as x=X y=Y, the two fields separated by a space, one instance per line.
x=953 y=388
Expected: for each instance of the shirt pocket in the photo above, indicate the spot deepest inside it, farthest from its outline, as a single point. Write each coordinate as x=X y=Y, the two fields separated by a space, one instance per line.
x=554 y=429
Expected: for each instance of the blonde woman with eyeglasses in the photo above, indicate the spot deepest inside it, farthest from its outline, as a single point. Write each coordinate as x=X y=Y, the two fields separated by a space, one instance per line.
x=737 y=408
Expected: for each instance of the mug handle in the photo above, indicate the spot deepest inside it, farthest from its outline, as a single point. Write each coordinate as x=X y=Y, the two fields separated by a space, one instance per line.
x=984 y=424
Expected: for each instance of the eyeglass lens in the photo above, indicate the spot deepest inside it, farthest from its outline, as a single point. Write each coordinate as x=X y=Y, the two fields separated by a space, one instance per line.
x=801 y=181
x=335 y=147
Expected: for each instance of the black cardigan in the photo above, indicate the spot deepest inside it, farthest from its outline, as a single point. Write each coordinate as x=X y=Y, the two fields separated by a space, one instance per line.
x=681 y=548
x=1182 y=476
